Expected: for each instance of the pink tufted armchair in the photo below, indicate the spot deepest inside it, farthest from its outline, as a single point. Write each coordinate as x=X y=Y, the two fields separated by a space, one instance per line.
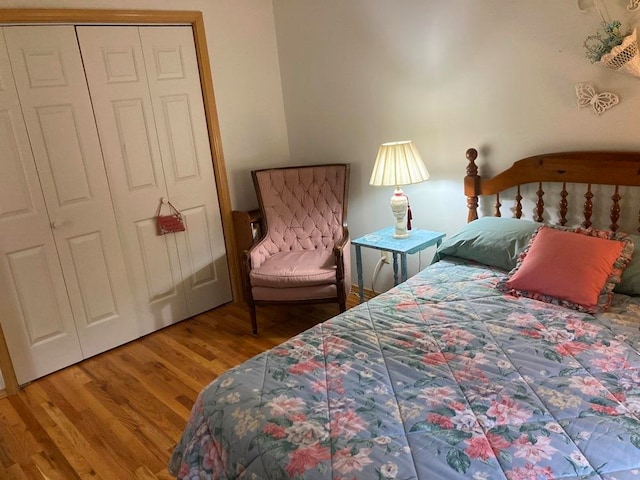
x=304 y=255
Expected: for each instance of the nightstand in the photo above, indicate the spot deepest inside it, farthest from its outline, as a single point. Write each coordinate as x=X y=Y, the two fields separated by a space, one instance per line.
x=383 y=240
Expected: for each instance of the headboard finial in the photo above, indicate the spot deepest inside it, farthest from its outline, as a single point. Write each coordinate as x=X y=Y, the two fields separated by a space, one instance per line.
x=472 y=185
x=472 y=168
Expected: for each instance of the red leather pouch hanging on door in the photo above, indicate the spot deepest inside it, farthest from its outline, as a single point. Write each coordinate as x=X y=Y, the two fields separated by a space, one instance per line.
x=171 y=223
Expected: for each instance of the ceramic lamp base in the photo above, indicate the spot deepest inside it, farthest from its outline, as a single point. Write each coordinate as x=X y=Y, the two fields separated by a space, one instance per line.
x=399 y=206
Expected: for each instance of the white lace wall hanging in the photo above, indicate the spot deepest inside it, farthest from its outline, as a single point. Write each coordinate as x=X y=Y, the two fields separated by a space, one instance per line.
x=624 y=58
x=633 y=6
x=610 y=47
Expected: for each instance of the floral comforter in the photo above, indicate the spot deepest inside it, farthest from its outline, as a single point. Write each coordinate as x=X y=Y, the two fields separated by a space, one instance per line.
x=442 y=377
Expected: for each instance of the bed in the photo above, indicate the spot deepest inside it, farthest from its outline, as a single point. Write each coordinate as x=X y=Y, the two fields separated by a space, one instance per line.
x=467 y=369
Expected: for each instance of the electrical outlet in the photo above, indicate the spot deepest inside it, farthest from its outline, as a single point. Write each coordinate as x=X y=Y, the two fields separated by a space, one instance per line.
x=386 y=256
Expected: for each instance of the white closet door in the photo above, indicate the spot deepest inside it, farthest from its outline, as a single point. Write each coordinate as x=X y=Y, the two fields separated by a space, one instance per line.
x=120 y=94
x=35 y=310
x=174 y=82
x=57 y=109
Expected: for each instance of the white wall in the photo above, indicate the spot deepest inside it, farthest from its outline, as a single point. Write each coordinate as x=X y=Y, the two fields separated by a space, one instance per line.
x=244 y=63
x=497 y=75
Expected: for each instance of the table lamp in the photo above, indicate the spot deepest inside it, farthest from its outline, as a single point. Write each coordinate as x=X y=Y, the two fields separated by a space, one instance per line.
x=397 y=164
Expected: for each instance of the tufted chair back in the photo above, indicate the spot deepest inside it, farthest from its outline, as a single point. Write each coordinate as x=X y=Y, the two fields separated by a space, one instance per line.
x=304 y=215
x=303 y=207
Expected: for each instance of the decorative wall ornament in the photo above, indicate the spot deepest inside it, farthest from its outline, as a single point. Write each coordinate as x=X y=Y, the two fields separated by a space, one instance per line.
x=596 y=6
x=604 y=40
x=601 y=102
x=611 y=47
x=633 y=5
x=582 y=10
x=625 y=58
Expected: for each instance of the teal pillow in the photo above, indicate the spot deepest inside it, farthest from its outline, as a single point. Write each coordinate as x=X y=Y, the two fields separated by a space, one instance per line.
x=493 y=241
x=630 y=284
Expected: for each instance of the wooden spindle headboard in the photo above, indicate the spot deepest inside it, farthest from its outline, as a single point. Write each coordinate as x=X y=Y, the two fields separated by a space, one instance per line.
x=618 y=169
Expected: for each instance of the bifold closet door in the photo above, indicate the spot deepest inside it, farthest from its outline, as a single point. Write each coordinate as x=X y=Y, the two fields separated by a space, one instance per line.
x=145 y=86
x=124 y=113
x=174 y=83
x=35 y=310
x=58 y=114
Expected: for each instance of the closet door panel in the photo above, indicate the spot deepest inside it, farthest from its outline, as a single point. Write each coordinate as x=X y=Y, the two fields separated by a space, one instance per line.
x=15 y=198
x=36 y=314
x=131 y=127
x=124 y=113
x=96 y=288
x=34 y=286
x=180 y=132
x=199 y=246
x=58 y=114
x=174 y=83
x=162 y=273
x=59 y=131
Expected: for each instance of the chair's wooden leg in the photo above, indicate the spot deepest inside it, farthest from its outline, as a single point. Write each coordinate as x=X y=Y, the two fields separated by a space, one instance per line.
x=342 y=299
x=253 y=315
x=343 y=306
x=248 y=296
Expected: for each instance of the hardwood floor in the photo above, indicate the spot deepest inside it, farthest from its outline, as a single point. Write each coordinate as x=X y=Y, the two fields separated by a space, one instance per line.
x=119 y=415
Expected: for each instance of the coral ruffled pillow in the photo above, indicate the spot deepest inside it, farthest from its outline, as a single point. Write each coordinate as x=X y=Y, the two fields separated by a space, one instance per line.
x=577 y=269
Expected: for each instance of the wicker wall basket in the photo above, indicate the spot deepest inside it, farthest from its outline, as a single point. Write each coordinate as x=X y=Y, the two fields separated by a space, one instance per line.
x=625 y=57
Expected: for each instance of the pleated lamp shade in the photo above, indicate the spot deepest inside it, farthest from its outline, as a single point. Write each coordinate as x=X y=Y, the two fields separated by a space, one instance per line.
x=398 y=163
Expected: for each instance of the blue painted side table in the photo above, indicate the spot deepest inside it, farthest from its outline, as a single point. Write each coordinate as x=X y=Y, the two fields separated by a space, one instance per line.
x=383 y=240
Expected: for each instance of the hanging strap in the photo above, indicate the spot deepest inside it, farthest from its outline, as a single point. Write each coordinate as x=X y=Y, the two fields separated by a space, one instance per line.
x=164 y=200
x=596 y=4
x=599 y=9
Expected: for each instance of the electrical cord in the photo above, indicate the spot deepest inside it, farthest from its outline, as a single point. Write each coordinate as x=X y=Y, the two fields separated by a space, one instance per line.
x=376 y=271
x=378 y=267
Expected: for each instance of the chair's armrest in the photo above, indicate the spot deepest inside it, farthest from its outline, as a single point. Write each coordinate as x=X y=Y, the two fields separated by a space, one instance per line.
x=258 y=253
x=248 y=229
x=341 y=253
x=344 y=241
x=252 y=258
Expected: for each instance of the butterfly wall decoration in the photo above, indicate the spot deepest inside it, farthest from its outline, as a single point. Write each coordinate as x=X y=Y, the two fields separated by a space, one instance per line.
x=601 y=102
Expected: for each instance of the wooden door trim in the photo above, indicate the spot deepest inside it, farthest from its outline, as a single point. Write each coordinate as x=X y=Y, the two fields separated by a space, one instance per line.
x=6 y=367
x=147 y=17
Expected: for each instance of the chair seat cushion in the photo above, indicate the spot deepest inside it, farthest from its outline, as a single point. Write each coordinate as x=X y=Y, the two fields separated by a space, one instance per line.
x=296 y=269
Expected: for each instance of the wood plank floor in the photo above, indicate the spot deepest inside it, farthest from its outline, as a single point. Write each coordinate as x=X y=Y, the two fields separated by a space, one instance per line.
x=119 y=415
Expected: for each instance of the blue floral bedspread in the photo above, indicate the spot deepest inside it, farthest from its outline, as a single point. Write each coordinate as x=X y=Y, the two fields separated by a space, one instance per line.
x=443 y=377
